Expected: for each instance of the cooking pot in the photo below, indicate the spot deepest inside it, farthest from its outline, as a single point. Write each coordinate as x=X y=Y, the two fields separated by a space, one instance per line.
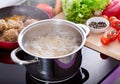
x=51 y=68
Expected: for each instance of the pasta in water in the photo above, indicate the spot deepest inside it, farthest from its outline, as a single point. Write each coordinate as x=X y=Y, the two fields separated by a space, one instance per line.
x=52 y=44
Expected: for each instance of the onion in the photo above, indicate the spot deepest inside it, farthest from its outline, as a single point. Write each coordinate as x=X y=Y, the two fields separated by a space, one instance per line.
x=98 y=13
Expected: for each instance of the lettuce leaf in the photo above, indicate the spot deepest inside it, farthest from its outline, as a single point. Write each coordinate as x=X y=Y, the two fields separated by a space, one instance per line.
x=79 y=11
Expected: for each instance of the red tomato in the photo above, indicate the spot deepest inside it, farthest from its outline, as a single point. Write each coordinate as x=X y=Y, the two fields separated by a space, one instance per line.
x=104 y=40
x=46 y=8
x=119 y=37
x=112 y=35
x=115 y=24
x=112 y=18
x=105 y=16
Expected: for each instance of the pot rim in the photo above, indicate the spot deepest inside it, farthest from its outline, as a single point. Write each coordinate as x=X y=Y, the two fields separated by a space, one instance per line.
x=80 y=30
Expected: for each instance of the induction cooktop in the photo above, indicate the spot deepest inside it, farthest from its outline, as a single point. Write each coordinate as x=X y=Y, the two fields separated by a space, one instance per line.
x=96 y=67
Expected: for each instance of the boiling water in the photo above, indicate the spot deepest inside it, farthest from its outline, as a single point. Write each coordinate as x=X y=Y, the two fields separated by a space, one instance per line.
x=49 y=44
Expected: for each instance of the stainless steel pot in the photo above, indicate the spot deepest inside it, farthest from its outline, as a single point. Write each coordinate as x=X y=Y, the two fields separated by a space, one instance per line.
x=56 y=68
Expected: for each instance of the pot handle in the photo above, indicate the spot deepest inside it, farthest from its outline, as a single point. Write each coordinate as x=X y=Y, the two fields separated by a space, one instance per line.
x=19 y=61
x=84 y=28
x=86 y=75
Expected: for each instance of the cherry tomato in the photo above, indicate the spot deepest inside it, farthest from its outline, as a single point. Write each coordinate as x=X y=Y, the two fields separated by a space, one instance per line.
x=115 y=24
x=119 y=37
x=112 y=18
x=105 y=16
x=112 y=35
x=104 y=40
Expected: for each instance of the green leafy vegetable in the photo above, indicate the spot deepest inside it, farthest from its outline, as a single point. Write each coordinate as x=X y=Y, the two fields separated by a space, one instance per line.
x=79 y=11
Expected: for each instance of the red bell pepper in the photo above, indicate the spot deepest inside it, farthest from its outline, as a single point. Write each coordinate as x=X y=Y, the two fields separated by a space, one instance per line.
x=113 y=9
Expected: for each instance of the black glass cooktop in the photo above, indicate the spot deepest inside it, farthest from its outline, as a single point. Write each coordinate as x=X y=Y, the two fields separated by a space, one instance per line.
x=76 y=79
x=92 y=63
x=15 y=74
x=11 y=73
